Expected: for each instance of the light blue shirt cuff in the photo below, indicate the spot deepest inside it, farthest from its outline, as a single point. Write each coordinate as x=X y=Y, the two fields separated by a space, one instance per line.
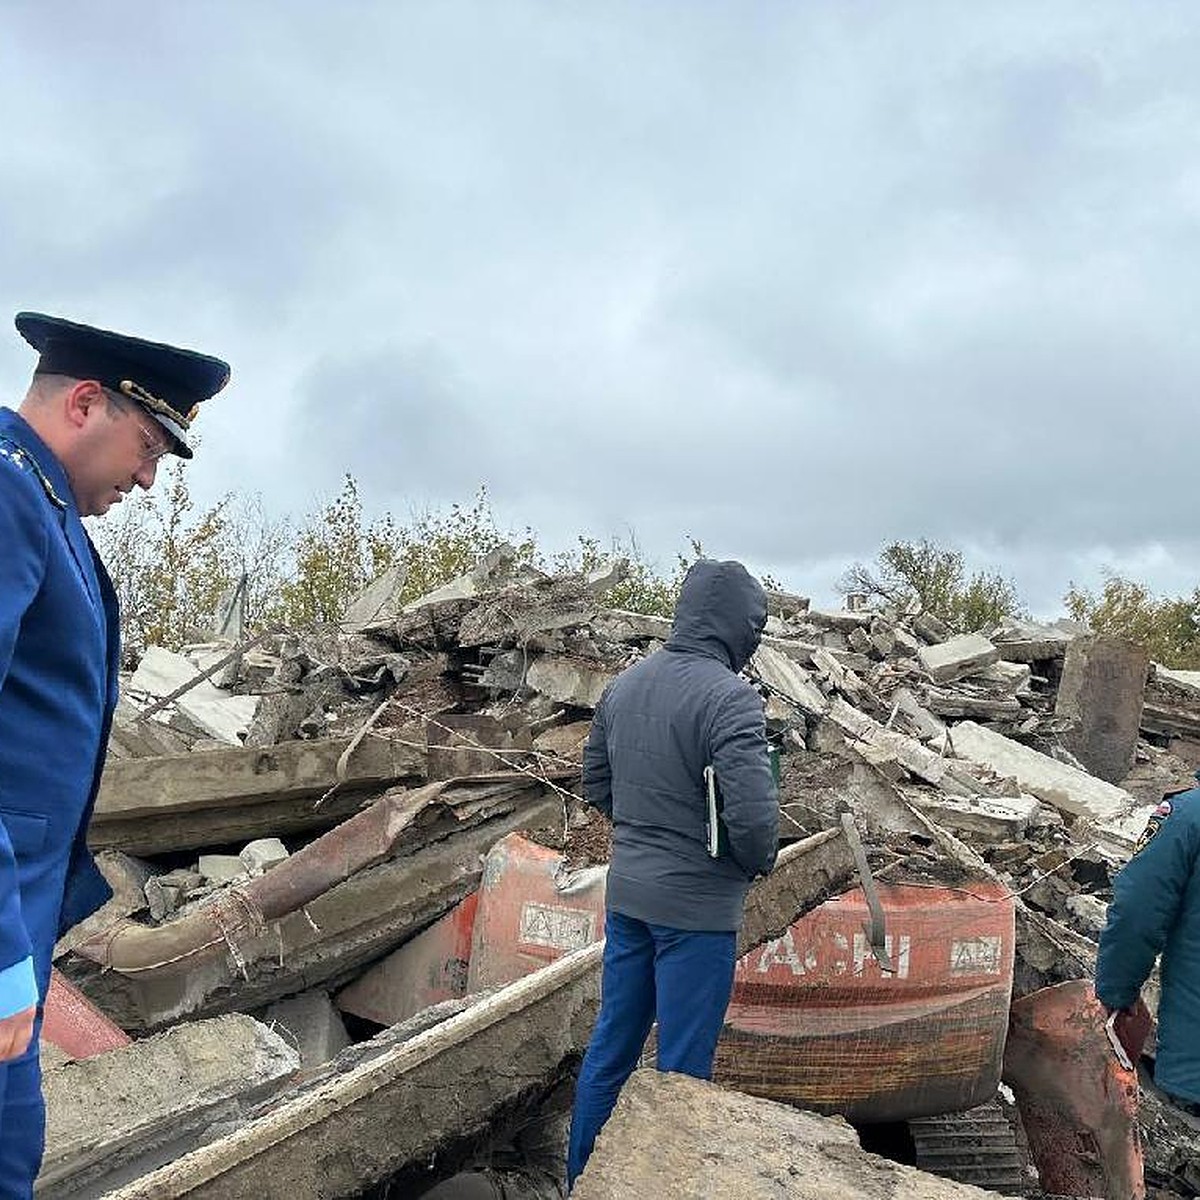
x=18 y=988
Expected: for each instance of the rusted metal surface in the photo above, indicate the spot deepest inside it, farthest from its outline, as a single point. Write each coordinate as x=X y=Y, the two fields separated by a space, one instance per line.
x=816 y=1021
x=1078 y=1104
x=427 y=970
x=75 y=1025
x=531 y=912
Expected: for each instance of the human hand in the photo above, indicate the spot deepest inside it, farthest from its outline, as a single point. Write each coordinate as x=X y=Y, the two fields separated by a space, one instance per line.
x=1131 y=1027
x=16 y=1032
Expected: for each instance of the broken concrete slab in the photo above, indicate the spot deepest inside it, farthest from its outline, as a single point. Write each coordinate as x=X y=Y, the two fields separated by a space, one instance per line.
x=379 y=603
x=564 y=741
x=569 y=680
x=994 y=819
x=1101 y=694
x=789 y=680
x=113 y=1117
x=498 y=567
x=602 y=579
x=1013 y=677
x=221 y=868
x=1068 y=789
x=1024 y=641
x=219 y=714
x=961 y=656
x=909 y=753
x=671 y=1135
x=215 y=797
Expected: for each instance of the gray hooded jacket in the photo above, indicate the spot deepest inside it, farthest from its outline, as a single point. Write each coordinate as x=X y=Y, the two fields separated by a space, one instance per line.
x=657 y=726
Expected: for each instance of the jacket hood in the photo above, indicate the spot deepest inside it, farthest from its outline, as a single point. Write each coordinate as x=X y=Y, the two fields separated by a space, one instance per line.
x=721 y=612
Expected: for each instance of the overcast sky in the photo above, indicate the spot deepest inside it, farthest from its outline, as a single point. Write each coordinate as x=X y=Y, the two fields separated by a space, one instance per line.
x=794 y=279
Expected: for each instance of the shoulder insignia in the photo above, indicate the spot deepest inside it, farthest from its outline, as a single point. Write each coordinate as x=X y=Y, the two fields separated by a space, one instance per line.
x=1157 y=817
x=24 y=461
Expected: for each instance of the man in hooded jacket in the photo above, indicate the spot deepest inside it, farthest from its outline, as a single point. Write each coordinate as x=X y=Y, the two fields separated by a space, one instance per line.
x=673 y=911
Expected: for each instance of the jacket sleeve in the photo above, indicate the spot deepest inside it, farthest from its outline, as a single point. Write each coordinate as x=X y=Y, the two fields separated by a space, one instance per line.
x=597 y=773
x=23 y=538
x=738 y=739
x=1147 y=895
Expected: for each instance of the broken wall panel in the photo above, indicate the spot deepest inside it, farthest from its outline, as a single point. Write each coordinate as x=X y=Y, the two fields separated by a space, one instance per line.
x=216 y=797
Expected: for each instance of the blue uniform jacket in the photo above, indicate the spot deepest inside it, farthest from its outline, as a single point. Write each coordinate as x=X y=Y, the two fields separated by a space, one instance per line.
x=59 y=654
x=1156 y=910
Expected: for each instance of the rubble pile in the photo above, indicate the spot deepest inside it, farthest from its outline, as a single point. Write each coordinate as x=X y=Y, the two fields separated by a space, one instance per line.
x=281 y=816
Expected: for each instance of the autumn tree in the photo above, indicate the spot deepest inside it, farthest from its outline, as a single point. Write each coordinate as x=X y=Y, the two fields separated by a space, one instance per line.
x=934 y=579
x=1167 y=626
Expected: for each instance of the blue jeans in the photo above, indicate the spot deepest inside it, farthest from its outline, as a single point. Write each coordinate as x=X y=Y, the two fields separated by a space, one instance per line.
x=679 y=977
x=22 y=1124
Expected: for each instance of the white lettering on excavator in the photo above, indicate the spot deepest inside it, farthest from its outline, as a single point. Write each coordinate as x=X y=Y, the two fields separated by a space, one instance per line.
x=782 y=952
x=558 y=928
x=975 y=956
x=832 y=955
x=863 y=954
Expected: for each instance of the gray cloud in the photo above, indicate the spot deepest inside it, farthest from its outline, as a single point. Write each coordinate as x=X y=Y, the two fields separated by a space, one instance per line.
x=792 y=279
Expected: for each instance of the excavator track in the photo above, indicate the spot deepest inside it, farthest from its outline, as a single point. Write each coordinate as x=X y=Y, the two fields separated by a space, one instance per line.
x=978 y=1146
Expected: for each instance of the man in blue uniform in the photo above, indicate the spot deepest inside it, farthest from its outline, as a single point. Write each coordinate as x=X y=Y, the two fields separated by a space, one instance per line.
x=674 y=896
x=100 y=412
x=1156 y=910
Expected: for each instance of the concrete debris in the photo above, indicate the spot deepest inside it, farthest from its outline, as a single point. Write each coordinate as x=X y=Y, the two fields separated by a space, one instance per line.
x=310 y=1023
x=569 y=680
x=1101 y=693
x=378 y=603
x=961 y=656
x=311 y=819
x=346 y=899
x=214 y=797
x=116 y=1116
x=483 y=1069
x=1071 y=790
x=671 y=1135
x=211 y=711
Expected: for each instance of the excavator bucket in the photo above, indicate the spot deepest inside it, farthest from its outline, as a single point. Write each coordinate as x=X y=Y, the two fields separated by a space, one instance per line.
x=1077 y=1102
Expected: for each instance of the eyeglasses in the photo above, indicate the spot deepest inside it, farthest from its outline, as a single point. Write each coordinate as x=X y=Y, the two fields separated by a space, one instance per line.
x=153 y=446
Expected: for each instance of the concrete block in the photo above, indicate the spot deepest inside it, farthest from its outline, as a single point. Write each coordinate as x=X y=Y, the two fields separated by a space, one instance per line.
x=221 y=868
x=1101 y=693
x=379 y=602
x=573 y=681
x=992 y=819
x=262 y=854
x=967 y=654
x=1014 y=677
x=311 y=1024
x=115 y=1116
x=220 y=715
x=606 y=576
x=671 y=1135
x=786 y=677
x=1068 y=789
